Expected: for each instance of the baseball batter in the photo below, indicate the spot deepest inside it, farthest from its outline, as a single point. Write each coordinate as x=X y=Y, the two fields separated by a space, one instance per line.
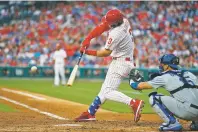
x=183 y=87
x=59 y=59
x=120 y=46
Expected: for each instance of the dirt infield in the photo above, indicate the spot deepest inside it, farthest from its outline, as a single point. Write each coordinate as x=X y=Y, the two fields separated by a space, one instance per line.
x=29 y=120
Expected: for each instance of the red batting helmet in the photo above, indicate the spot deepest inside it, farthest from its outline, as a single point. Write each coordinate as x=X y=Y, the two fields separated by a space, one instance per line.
x=113 y=16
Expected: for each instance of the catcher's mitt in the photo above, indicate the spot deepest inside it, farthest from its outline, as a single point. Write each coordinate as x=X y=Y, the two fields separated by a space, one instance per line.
x=135 y=76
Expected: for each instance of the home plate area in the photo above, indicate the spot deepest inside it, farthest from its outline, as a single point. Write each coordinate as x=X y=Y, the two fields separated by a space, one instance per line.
x=52 y=114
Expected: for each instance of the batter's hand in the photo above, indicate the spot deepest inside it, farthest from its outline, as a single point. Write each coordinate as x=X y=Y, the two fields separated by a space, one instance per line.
x=86 y=42
x=82 y=49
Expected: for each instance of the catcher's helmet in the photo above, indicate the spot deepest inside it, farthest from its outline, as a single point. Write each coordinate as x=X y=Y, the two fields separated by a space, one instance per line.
x=170 y=60
x=114 y=16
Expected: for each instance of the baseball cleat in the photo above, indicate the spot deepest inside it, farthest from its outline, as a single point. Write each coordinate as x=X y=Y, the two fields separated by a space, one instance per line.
x=137 y=106
x=194 y=126
x=171 y=127
x=85 y=116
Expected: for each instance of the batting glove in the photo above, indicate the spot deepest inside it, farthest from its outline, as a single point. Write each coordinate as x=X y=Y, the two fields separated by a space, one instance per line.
x=86 y=42
x=82 y=49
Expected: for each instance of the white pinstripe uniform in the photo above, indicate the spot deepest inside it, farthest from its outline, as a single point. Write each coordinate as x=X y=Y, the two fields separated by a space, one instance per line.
x=122 y=46
x=59 y=69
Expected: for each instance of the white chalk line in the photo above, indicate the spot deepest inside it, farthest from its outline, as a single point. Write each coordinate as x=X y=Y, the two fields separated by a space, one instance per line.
x=73 y=125
x=33 y=109
x=23 y=93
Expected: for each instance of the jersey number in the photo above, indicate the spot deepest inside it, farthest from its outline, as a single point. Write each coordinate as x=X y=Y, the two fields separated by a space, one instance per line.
x=110 y=40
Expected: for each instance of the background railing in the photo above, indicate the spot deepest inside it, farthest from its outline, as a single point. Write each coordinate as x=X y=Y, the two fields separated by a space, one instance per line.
x=83 y=72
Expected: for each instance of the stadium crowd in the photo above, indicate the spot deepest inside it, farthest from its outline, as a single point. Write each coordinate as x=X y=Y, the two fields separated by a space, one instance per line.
x=30 y=31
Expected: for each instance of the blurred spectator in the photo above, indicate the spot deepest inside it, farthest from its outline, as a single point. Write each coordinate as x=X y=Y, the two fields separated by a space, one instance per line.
x=30 y=30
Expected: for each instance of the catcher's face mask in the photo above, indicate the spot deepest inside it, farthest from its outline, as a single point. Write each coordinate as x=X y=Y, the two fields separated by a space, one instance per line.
x=170 y=60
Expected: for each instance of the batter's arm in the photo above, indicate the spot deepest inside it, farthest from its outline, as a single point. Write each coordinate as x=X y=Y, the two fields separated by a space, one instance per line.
x=103 y=53
x=97 y=31
x=99 y=53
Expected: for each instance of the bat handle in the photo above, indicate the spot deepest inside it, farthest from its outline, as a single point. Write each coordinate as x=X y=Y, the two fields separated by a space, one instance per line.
x=84 y=50
x=81 y=56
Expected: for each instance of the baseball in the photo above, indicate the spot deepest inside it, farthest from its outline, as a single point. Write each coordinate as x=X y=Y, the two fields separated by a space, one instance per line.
x=33 y=69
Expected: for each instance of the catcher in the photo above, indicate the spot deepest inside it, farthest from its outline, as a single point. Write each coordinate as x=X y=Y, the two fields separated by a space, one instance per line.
x=183 y=87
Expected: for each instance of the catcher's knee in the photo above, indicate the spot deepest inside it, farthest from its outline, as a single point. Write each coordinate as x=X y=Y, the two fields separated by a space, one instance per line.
x=155 y=98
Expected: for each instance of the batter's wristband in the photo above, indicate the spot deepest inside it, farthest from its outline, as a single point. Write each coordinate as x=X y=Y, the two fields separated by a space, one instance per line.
x=91 y=52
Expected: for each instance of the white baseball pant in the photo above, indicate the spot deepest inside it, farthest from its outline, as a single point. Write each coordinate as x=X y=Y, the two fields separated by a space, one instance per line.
x=59 y=70
x=118 y=70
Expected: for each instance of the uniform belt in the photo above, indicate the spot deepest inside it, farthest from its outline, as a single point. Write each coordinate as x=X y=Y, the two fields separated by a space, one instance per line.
x=194 y=106
x=126 y=59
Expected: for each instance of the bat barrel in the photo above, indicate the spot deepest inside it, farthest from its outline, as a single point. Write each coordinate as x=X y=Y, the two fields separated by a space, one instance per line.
x=74 y=71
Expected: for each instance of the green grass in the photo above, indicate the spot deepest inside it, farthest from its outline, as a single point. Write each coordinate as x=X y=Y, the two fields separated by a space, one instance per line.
x=6 y=108
x=83 y=91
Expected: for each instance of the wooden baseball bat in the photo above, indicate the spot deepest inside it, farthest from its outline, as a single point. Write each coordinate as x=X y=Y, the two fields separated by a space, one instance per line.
x=74 y=71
